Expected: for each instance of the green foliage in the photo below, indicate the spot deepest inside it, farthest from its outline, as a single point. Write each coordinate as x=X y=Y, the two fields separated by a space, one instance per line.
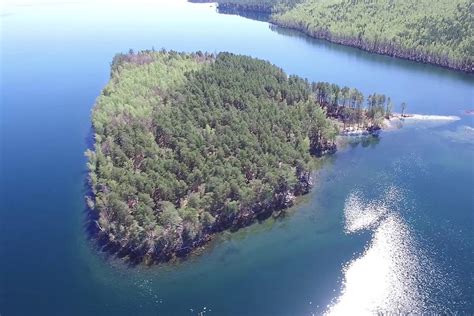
x=270 y=6
x=439 y=32
x=191 y=144
x=347 y=105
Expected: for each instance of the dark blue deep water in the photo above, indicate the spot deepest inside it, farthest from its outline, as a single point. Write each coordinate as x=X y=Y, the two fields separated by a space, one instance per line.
x=388 y=228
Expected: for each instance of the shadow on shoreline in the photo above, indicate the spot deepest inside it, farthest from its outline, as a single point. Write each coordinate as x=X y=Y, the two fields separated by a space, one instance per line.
x=248 y=14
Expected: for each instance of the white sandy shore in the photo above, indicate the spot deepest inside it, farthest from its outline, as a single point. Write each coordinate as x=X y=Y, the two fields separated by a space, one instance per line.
x=397 y=121
x=423 y=117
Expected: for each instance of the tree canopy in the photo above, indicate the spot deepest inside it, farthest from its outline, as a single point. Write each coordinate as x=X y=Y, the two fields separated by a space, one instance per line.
x=268 y=6
x=190 y=144
x=187 y=145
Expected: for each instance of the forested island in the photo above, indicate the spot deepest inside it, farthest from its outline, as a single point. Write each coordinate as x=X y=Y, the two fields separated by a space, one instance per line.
x=436 y=32
x=188 y=145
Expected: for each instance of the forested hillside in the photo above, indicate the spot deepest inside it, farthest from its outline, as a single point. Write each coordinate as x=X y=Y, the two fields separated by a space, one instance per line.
x=268 y=6
x=438 y=32
x=187 y=145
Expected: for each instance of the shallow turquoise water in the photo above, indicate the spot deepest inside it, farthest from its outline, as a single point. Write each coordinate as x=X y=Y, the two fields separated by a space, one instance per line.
x=54 y=62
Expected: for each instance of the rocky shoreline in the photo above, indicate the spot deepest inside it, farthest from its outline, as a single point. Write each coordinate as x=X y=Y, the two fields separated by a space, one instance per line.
x=283 y=199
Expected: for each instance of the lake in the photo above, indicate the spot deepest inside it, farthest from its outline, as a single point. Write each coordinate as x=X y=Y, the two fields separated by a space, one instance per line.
x=389 y=225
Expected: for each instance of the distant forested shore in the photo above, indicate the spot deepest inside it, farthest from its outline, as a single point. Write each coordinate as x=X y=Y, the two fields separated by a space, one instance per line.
x=189 y=145
x=433 y=32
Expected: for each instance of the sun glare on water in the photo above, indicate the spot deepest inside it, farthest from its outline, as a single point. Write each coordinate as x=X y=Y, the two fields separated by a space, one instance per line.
x=389 y=276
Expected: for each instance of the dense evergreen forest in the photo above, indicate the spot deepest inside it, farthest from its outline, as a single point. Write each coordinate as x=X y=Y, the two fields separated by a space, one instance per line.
x=265 y=6
x=187 y=145
x=268 y=6
x=438 y=32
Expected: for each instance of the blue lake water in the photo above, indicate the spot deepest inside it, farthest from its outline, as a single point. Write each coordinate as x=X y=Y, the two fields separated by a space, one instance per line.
x=389 y=226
